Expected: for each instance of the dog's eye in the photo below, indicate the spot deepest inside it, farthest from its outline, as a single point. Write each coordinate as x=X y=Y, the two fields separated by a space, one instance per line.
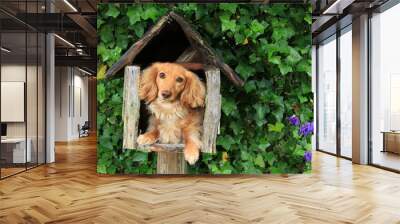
x=162 y=75
x=179 y=79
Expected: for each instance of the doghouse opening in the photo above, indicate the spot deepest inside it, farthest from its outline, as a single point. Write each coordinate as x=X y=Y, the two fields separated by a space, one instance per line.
x=167 y=46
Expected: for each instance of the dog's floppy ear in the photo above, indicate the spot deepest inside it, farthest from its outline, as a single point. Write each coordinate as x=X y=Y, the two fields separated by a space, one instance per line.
x=194 y=93
x=148 y=87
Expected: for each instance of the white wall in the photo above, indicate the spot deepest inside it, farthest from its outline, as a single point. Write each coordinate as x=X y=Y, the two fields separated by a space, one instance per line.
x=33 y=127
x=12 y=73
x=62 y=82
x=71 y=94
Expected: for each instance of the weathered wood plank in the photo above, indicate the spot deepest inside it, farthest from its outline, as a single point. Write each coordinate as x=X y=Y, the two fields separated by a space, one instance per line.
x=161 y=147
x=128 y=57
x=212 y=114
x=131 y=106
x=205 y=50
x=188 y=55
x=171 y=163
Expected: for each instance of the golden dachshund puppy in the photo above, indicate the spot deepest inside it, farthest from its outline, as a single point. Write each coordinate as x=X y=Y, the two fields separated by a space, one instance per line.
x=175 y=97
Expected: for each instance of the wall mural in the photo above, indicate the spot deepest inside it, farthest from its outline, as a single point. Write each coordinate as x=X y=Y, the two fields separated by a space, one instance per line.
x=204 y=88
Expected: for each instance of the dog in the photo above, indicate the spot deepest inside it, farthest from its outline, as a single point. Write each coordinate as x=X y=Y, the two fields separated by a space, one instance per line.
x=175 y=98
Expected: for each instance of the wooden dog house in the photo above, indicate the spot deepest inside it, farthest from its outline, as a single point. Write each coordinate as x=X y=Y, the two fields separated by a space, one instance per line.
x=172 y=39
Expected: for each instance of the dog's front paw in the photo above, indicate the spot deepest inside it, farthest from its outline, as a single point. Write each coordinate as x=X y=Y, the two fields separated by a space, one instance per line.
x=147 y=138
x=191 y=154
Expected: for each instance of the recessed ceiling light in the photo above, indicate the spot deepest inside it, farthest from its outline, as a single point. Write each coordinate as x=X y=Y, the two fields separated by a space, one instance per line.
x=84 y=71
x=5 y=50
x=70 y=5
x=338 y=6
x=64 y=40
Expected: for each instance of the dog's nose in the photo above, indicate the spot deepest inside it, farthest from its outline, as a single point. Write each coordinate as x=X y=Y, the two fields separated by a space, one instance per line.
x=166 y=94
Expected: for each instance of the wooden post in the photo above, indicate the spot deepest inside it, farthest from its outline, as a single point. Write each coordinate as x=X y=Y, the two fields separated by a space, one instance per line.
x=171 y=162
x=212 y=113
x=131 y=106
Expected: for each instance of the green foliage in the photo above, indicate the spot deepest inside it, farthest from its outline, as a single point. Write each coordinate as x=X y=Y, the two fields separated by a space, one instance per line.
x=268 y=46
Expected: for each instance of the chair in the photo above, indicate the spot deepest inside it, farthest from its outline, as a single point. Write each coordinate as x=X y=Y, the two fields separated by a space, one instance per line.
x=84 y=130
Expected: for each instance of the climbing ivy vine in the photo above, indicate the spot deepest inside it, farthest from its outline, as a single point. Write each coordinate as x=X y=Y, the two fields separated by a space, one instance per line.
x=269 y=46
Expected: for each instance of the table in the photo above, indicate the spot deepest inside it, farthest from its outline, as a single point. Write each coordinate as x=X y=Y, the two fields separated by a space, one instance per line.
x=16 y=147
x=391 y=141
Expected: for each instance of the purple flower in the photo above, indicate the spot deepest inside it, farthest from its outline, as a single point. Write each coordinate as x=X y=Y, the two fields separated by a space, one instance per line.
x=306 y=129
x=308 y=156
x=294 y=120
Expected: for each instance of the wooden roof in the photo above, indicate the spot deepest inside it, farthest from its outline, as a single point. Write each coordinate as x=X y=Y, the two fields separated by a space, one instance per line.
x=210 y=58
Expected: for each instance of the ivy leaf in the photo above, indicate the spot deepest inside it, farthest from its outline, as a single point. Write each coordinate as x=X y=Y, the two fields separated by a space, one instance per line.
x=294 y=56
x=285 y=68
x=113 y=55
x=299 y=151
x=283 y=33
x=239 y=38
x=271 y=158
x=112 y=11
x=139 y=30
x=99 y=22
x=277 y=127
x=263 y=144
x=259 y=161
x=304 y=66
x=101 y=71
x=106 y=33
x=228 y=106
x=308 y=18
x=230 y=7
x=214 y=169
x=257 y=28
x=101 y=168
x=261 y=110
x=227 y=23
x=236 y=127
x=225 y=141
x=276 y=170
x=244 y=155
x=302 y=99
x=122 y=41
x=254 y=58
x=225 y=156
x=150 y=13
x=101 y=92
x=250 y=86
x=139 y=156
x=275 y=60
x=245 y=70
x=278 y=113
x=133 y=14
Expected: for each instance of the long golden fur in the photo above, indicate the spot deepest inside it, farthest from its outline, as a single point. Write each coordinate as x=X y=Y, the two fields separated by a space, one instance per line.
x=175 y=98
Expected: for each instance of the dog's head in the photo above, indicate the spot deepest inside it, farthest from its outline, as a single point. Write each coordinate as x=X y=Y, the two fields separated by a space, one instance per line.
x=171 y=82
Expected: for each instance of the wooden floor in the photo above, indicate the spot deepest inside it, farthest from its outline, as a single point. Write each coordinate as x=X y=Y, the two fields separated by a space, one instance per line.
x=70 y=191
x=387 y=159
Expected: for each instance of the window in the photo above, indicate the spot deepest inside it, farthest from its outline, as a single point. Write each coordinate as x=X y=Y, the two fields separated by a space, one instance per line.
x=346 y=92
x=327 y=95
x=22 y=77
x=385 y=89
